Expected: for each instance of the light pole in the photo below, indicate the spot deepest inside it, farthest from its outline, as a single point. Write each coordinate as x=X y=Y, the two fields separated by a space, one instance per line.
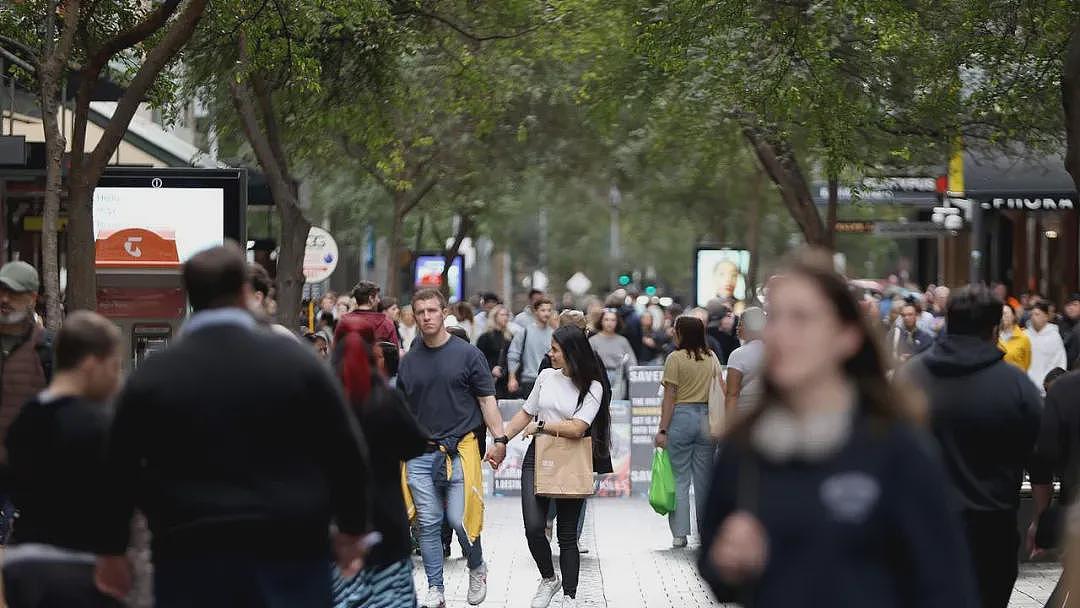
x=615 y=199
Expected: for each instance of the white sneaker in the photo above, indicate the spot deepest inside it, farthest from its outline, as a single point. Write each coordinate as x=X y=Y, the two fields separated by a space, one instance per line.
x=434 y=598
x=547 y=590
x=478 y=585
x=679 y=542
x=568 y=602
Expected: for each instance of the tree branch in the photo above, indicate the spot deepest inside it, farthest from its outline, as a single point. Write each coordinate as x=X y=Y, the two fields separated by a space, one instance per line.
x=139 y=32
x=418 y=194
x=466 y=33
x=176 y=37
x=269 y=119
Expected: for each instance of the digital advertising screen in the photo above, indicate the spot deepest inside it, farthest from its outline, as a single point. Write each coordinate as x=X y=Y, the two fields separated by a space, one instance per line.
x=193 y=217
x=427 y=274
x=721 y=273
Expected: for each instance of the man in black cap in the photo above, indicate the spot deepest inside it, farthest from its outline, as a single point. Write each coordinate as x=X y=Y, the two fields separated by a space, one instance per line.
x=722 y=327
x=25 y=359
x=1069 y=324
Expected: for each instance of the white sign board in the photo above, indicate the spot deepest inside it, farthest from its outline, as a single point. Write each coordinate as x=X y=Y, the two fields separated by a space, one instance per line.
x=579 y=284
x=320 y=256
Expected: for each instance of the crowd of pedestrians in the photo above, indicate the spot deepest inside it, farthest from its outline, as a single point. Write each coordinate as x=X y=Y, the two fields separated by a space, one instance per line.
x=867 y=450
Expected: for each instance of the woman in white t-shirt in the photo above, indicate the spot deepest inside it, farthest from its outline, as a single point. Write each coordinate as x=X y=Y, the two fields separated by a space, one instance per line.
x=564 y=402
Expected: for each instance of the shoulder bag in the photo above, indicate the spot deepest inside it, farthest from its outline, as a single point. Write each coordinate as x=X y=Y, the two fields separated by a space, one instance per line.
x=717 y=399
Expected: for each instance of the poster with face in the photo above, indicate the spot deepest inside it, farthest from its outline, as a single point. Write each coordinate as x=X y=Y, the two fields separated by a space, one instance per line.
x=721 y=273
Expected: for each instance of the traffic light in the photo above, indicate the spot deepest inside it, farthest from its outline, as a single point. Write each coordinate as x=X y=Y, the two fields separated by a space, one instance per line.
x=650 y=290
x=625 y=279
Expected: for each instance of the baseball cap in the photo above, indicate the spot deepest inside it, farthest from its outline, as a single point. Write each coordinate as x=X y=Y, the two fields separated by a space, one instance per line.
x=753 y=319
x=1075 y=297
x=19 y=277
x=717 y=311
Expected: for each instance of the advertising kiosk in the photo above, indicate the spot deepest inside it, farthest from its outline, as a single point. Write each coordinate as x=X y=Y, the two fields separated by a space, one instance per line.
x=147 y=223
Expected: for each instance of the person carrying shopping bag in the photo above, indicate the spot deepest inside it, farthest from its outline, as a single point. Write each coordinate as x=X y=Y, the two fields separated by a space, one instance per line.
x=565 y=402
x=685 y=423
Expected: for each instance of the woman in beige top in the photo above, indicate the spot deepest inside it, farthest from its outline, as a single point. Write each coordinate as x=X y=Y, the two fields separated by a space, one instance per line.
x=684 y=422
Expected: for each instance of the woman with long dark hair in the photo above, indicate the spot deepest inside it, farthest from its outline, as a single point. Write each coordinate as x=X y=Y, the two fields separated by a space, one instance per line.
x=568 y=400
x=393 y=436
x=827 y=494
x=684 y=422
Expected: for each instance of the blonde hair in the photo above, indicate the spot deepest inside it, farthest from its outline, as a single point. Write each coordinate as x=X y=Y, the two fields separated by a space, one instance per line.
x=493 y=314
x=573 y=317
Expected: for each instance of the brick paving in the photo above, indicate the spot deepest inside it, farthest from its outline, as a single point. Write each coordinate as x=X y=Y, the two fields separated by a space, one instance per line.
x=630 y=563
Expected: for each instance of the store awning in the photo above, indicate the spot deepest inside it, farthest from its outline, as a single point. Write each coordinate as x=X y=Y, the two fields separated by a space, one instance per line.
x=1018 y=179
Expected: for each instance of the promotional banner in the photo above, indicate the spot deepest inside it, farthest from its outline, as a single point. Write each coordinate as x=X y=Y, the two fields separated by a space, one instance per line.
x=646 y=393
x=617 y=483
x=507 y=480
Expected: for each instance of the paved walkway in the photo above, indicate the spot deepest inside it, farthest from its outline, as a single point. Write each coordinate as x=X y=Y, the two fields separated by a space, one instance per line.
x=630 y=563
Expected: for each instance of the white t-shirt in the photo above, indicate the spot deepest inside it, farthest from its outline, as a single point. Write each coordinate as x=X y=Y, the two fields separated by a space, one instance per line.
x=750 y=360
x=554 y=398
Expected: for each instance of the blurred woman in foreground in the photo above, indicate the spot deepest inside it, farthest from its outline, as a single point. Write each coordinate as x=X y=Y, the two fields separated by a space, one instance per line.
x=825 y=494
x=393 y=435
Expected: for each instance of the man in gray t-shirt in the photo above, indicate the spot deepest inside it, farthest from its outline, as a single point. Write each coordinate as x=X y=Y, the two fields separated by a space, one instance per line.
x=746 y=365
x=529 y=347
x=449 y=387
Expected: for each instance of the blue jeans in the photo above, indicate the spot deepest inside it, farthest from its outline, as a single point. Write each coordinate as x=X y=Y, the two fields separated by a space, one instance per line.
x=430 y=515
x=691 y=451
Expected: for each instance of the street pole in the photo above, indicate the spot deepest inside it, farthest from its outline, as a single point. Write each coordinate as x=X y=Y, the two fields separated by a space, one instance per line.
x=976 y=241
x=615 y=199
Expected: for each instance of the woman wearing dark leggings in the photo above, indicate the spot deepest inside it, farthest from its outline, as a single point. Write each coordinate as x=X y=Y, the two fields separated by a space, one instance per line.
x=564 y=402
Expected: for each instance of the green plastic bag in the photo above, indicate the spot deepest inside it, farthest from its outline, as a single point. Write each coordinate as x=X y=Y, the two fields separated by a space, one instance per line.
x=662 y=487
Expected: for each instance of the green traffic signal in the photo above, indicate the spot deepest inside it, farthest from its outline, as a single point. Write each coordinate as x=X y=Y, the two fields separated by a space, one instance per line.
x=650 y=290
x=624 y=279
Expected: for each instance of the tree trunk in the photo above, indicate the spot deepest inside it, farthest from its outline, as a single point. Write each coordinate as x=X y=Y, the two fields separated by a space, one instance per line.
x=87 y=170
x=779 y=163
x=397 y=247
x=263 y=138
x=50 y=73
x=464 y=227
x=753 y=237
x=1070 y=100
x=830 y=221
x=290 y=267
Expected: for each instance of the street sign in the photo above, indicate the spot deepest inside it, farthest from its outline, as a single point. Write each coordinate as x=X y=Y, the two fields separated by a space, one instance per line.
x=320 y=256
x=909 y=230
x=895 y=230
x=854 y=227
x=579 y=284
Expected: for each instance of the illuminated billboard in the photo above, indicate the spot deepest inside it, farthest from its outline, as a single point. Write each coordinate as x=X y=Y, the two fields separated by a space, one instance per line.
x=721 y=273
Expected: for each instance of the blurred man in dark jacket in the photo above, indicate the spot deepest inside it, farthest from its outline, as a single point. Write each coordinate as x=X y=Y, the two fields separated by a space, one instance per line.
x=238 y=446
x=985 y=416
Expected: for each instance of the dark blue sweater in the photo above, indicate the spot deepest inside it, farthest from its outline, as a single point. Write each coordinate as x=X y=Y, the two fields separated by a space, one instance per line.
x=868 y=526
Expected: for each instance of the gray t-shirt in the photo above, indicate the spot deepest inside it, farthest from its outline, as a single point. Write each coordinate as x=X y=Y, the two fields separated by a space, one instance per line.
x=442 y=386
x=527 y=351
x=750 y=360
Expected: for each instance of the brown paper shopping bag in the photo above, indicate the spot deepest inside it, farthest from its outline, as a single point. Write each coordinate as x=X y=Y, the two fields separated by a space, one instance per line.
x=564 y=467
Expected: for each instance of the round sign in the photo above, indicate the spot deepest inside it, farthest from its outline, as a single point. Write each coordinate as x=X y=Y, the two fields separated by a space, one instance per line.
x=320 y=256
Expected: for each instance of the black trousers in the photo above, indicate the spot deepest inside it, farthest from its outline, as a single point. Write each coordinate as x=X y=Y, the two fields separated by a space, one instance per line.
x=994 y=542
x=52 y=584
x=214 y=581
x=534 y=510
